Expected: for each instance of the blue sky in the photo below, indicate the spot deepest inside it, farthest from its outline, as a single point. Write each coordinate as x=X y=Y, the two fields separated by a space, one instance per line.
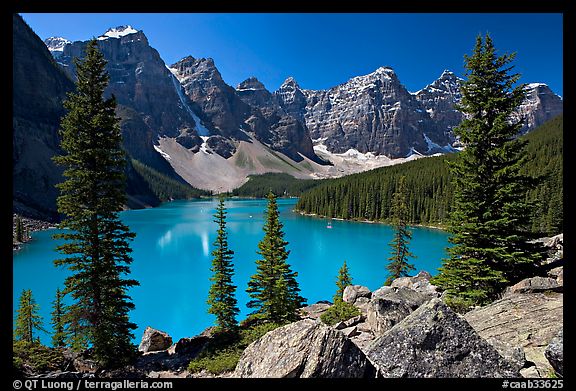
x=323 y=50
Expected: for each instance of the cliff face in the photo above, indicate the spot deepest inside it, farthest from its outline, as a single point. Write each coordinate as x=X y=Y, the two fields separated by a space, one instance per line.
x=285 y=133
x=39 y=87
x=148 y=99
x=234 y=112
x=375 y=113
x=372 y=113
x=540 y=105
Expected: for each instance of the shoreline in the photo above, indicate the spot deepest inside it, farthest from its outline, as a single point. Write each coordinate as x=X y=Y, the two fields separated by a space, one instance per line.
x=440 y=228
x=30 y=226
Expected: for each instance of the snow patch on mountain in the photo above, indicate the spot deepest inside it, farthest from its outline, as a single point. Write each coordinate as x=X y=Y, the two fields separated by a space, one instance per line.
x=161 y=152
x=117 y=32
x=432 y=146
x=200 y=128
x=56 y=44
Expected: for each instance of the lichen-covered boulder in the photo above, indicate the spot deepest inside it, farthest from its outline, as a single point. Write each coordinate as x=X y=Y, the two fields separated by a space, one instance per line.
x=305 y=348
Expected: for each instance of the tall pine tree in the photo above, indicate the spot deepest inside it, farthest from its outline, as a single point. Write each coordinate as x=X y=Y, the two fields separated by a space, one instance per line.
x=221 y=297
x=273 y=289
x=343 y=280
x=489 y=223
x=400 y=252
x=28 y=320
x=58 y=320
x=90 y=198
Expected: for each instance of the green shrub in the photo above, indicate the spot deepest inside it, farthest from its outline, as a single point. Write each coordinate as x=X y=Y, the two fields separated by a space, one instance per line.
x=219 y=362
x=37 y=356
x=339 y=312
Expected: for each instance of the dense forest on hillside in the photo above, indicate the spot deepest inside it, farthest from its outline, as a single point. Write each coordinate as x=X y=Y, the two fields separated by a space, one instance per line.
x=545 y=161
x=164 y=187
x=281 y=184
x=367 y=195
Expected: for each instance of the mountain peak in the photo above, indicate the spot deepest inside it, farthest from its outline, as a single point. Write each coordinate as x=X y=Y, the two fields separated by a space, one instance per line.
x=385 y=69
x=56 y=44
x=290 y=82
x=532 y=86
x=118 y=32
x=447 y=73
x=251 y=83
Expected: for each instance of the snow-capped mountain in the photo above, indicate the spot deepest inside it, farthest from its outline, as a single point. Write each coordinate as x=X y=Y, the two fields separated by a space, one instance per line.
x=117 y=32
x=375 y=113
x=371 y=113
x=185 y=115
x=540 y=105
x=56 y=45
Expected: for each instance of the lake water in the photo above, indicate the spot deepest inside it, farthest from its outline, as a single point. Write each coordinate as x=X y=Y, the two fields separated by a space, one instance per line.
x=172 y=258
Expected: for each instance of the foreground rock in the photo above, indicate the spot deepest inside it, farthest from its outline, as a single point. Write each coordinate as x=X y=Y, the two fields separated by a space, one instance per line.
x=526 y=320
x=536 y=284
x=304 y=349
x=434 y=341
x=154 y=340
x=383 y=314
x=390 y=306
x=419 y=283
x=555 y=353
x=354 y=293
x=314 y=311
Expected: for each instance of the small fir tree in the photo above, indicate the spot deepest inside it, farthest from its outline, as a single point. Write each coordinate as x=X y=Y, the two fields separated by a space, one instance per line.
x=27 y=320
x=273 y=289
x=221 y=297
x=399 y=246
x=58 y=320
x=343 y=280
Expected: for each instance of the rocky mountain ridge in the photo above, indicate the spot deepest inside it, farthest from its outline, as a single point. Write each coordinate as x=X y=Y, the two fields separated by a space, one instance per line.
x=185 y=122
x=372 y=113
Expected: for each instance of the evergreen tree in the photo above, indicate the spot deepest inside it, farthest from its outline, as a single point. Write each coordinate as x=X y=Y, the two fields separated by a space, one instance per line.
x=58 y=320
x=76 y=328
x=90 y=199
x=398 y=265
x=28 y=320
x=274 y=289
x=343 y=280
x=19 y=230
x=490 y=217
x=221 y=297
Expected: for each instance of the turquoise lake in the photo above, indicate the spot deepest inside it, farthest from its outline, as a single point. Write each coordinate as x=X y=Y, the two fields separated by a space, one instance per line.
x=172 y=257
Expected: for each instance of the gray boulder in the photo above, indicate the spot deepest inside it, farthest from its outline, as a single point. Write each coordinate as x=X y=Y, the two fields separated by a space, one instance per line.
x=381 y=291
x=433 y=341
x=420 y=283
x=555 y=352
x=354 y=292
x=314 y=311
x=305 y=348
x=189 y=346
x=407 y=296
x=525 y=320
x=536 y=284
x=154 y=340
x=384 y=313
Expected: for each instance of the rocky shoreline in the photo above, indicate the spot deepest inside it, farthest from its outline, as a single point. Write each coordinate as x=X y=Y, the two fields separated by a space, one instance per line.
x=30 y=226
x=430 y=226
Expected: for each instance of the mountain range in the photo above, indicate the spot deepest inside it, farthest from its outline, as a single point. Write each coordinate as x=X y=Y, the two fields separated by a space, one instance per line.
x=185 y=122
